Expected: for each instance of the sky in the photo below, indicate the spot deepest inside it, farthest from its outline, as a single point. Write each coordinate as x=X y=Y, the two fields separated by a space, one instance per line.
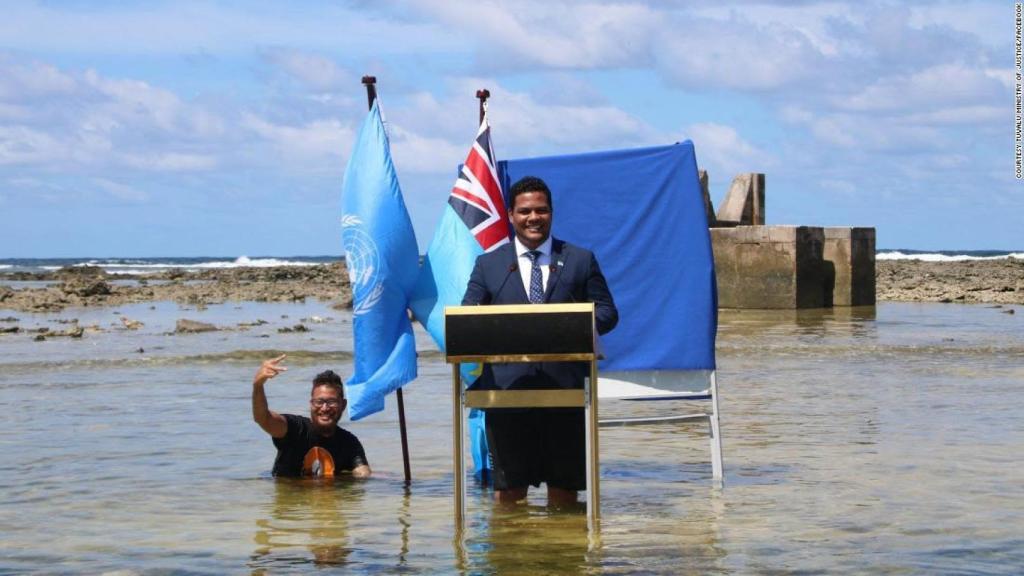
x=186 y=128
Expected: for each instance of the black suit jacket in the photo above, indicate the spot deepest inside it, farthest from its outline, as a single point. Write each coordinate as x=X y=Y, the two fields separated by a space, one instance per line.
x=574 y=277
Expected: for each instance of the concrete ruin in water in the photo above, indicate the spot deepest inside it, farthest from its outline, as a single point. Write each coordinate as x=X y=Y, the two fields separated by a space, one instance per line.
x=785 y=267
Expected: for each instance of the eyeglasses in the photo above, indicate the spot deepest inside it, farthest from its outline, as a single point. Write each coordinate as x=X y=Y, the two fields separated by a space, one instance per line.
x=320 y=403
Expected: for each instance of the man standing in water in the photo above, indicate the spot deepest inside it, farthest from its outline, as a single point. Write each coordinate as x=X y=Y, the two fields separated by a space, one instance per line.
x=530 y=446
x=314 y=446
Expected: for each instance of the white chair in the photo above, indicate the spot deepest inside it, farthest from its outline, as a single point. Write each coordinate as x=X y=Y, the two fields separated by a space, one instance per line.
x=672 y=390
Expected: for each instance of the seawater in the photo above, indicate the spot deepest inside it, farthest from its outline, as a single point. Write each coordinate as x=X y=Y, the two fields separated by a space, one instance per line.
x=877 y=440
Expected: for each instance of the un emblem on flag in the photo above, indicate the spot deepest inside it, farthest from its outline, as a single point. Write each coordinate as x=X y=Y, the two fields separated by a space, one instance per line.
x=362 y=259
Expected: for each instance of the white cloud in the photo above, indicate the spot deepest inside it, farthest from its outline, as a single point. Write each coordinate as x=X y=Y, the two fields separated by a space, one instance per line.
x=25 y=145
x=170 y=162
x=975 y=18
x=121 y=191
x=738 y=54
x=137 y=102
x=528 y=126
x=74 y=121
x=522 y=124
x=414 y=152
x=550 y=34
x=322 y=143
x=14 y=112
x=38 y=189
x=431 y=135
x=692 y=46
x=313 y=70
x=856 y=132
x=796 y=114
x=977 y=116
x=225 y=28
x=23 y=82
x=724 y=153
x=927 y=89
x=1002 y=75
x=453 y=118
x=568 y=89
x=809 y=19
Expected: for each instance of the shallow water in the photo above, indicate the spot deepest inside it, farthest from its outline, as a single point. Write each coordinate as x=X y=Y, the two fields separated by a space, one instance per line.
x=870 y=440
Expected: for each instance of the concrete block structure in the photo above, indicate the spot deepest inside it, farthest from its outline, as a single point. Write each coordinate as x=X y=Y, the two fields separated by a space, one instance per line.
x=778 y=267
x=849 y=266
x=744 y=203
x=709 y=210
x=784 y=267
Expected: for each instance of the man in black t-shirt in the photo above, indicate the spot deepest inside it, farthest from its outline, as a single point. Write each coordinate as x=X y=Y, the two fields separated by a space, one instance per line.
x=314 y=446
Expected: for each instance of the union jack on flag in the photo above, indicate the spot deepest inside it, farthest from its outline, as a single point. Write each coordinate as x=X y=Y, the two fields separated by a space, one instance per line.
x=476 y=196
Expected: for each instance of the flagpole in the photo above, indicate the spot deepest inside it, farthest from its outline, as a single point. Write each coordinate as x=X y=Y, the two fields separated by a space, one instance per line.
x=371 y=94
x=483 y=94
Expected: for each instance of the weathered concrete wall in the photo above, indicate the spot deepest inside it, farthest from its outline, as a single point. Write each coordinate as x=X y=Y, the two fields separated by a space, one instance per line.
x=849 y=266
x=784 y=267
x=769 y=266
x=744 y=202
x=709 y=210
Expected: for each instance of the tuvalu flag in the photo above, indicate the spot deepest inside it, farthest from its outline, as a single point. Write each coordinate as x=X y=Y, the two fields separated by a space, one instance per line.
x=473 y=222
x=382 y=260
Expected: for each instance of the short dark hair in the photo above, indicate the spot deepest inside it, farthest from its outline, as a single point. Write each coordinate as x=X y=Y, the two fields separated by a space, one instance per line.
x=529 y=184
x=329 y=378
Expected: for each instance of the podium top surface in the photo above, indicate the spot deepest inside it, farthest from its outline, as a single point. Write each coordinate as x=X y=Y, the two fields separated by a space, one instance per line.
x=561 y=308
x=520 y=333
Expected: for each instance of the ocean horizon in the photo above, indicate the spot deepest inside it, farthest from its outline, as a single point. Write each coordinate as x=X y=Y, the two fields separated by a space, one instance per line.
x=153 y=265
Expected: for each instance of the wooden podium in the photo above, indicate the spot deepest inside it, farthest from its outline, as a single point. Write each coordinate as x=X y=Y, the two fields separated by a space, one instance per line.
x=523 y=333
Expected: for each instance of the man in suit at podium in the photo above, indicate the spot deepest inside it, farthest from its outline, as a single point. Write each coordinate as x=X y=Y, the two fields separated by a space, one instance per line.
x=535 y=445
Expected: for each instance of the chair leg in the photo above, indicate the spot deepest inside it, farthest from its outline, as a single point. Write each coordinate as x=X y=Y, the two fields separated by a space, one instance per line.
x=716 y=448
x=715 y=432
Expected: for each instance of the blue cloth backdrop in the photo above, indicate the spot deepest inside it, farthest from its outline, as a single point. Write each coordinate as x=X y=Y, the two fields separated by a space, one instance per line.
x=642 y=213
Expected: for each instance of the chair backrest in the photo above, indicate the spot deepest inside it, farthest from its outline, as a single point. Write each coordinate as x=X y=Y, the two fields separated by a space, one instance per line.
x=655 y=385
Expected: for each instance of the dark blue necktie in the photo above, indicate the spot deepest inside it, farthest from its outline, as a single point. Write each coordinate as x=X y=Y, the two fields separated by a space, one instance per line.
x=536 y=278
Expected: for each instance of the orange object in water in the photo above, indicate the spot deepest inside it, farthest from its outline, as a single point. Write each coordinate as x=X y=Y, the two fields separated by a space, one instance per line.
x=318 y=462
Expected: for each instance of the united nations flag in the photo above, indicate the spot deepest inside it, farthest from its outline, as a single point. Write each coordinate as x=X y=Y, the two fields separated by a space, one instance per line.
x=383 y=261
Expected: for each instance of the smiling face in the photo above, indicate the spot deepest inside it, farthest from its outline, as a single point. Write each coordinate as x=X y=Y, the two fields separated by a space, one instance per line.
x=325 y=407
x=531 y=218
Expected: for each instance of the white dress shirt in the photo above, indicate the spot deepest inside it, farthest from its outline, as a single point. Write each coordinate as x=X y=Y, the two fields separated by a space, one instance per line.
x=525 y=265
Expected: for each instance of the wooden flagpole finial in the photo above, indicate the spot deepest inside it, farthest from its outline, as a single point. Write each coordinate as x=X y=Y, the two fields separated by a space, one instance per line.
x=371 y=89
x=483 y=94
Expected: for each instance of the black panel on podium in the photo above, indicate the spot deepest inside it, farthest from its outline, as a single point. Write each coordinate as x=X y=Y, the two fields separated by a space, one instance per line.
x=539 y=331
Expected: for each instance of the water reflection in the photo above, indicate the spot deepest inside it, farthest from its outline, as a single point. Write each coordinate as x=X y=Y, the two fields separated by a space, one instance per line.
x=855 y=321
x=307 y=523
x=405 y=521
x=528 y=539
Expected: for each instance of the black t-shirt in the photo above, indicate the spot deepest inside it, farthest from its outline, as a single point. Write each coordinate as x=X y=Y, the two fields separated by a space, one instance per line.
x=344 y=448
